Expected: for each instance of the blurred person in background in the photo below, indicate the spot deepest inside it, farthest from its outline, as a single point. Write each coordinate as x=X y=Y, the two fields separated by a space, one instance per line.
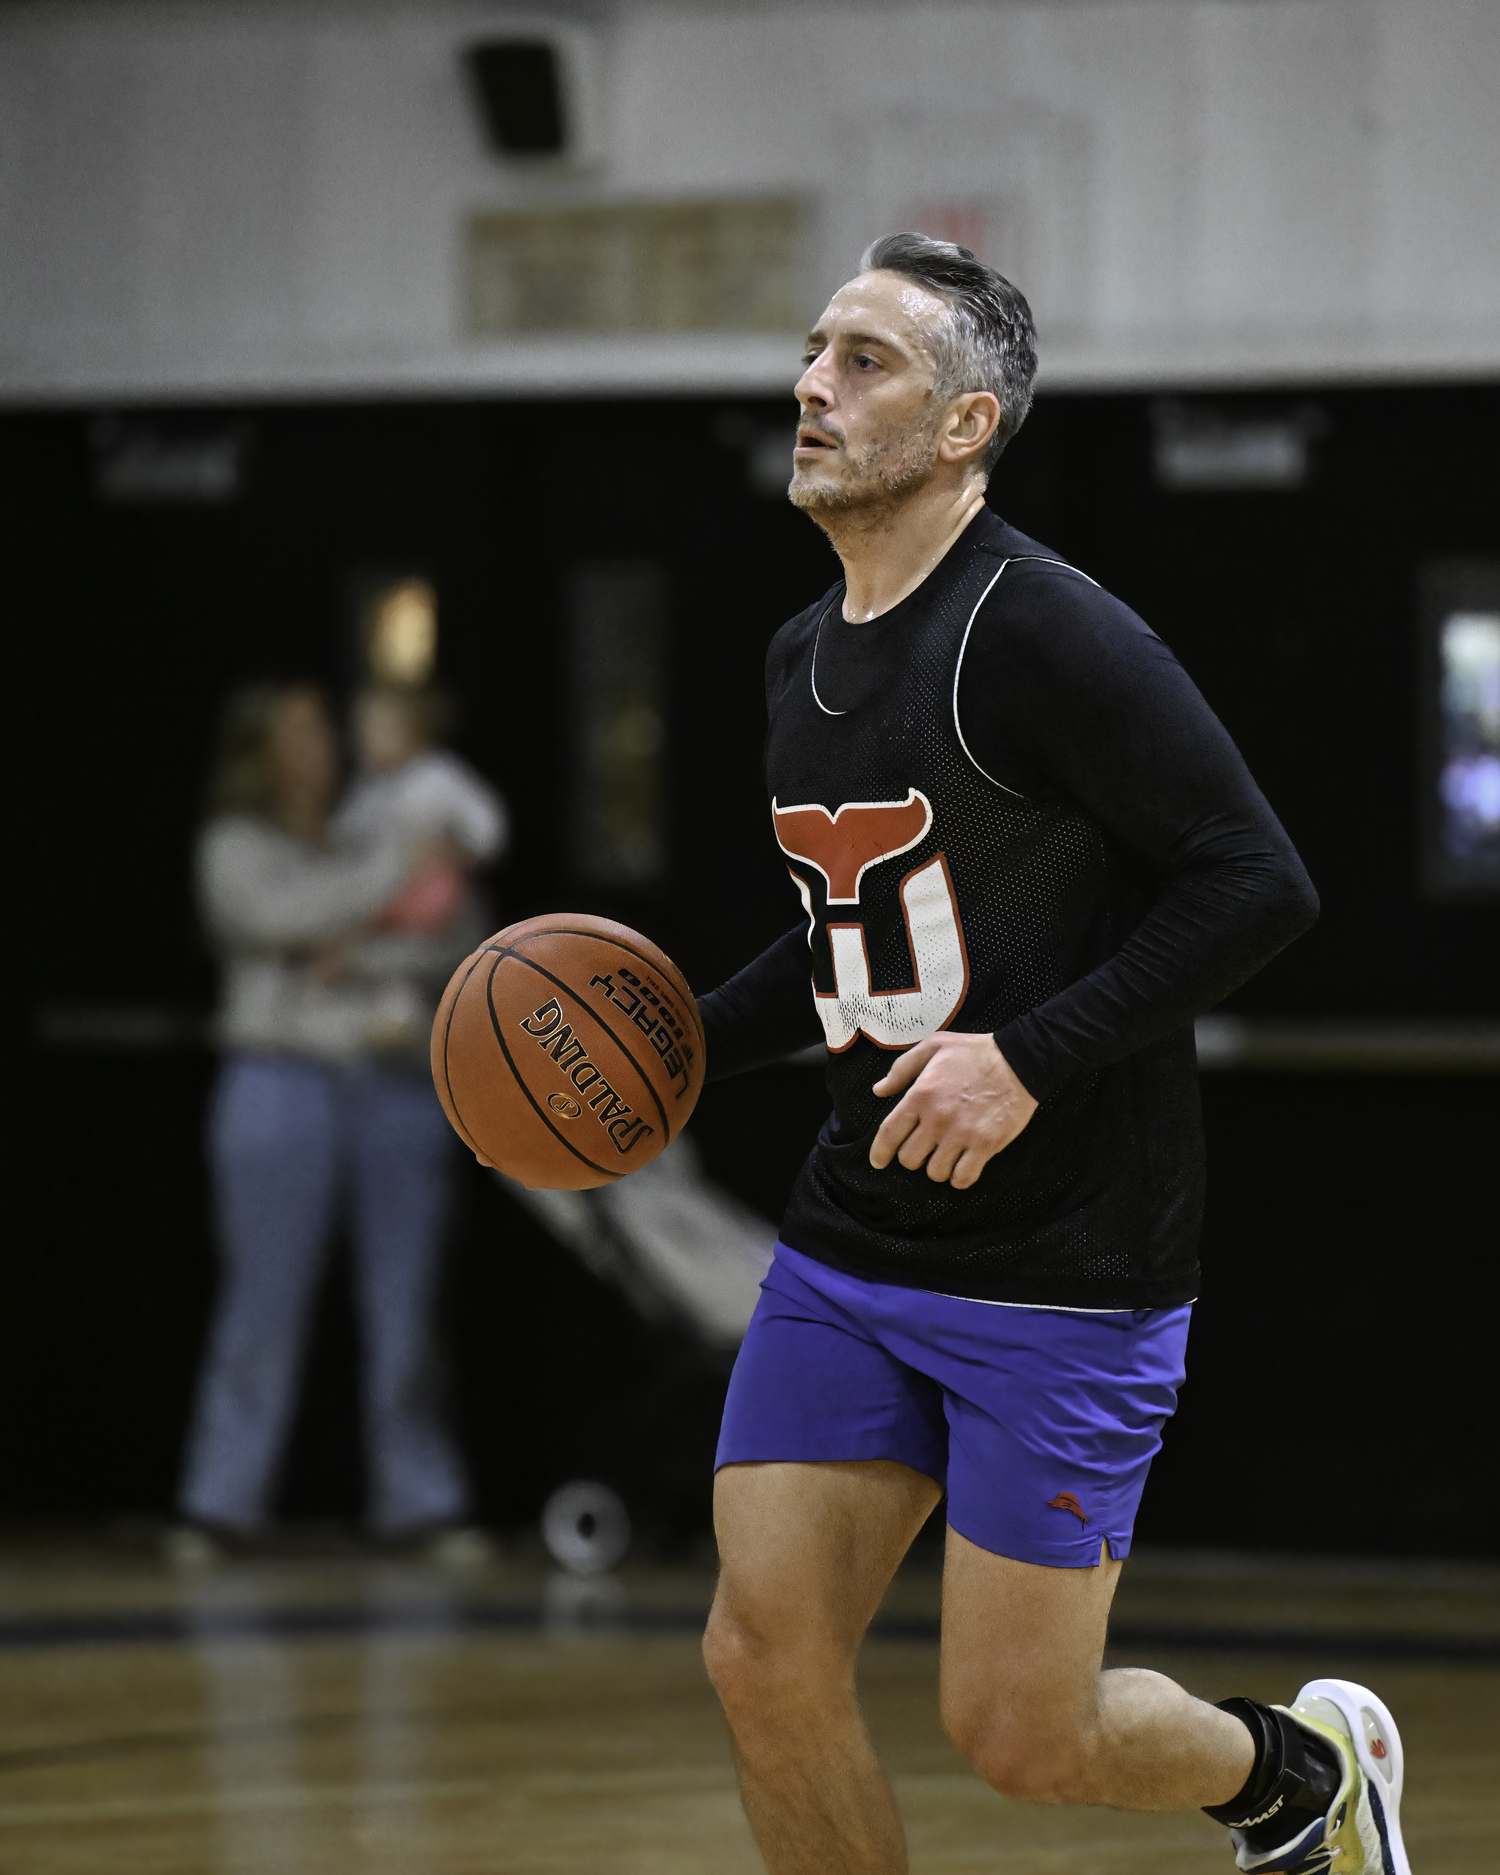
x=335 y=941
x=409 y=791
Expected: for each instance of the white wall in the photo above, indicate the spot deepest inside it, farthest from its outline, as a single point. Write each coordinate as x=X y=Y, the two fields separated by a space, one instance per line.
x=221 y=197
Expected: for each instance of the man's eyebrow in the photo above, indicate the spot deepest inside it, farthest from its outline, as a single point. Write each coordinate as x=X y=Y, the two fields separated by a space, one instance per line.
x=820 y=339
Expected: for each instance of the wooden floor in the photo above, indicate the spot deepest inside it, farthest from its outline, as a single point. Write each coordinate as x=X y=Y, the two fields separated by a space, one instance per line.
x=337 y=1715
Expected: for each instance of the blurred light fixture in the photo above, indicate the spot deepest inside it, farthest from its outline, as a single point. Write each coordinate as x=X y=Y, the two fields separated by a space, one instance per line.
x=1460 y=603
x=519 y=83
x=168 y=462
x=1208 y=448
x=401 y=631
x=1469 y=780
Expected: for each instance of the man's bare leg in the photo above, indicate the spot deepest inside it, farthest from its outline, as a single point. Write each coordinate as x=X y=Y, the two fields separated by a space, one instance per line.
x=1026 y=1703
x=806 y=1552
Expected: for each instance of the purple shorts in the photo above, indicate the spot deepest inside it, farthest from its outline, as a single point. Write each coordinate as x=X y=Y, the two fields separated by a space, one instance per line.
x=1041 y=1424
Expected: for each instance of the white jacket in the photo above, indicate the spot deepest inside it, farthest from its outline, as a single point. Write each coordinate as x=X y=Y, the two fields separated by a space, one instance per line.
x=270 y=902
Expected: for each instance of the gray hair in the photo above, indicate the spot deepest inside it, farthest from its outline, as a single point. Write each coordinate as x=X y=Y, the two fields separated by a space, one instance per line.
x=988 y=341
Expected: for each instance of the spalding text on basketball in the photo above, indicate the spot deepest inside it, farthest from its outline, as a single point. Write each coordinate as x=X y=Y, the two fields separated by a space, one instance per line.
x=556 y=1038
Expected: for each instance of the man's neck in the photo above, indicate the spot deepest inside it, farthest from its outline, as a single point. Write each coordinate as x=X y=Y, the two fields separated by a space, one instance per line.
x=888 y=551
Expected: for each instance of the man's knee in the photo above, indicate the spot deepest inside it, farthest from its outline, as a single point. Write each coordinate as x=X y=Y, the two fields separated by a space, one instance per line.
x=732 y=1655
x=1026 y=1762
x=757 y=1665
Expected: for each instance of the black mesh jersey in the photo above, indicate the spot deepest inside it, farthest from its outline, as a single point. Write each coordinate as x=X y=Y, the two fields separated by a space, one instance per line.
x=938 y=895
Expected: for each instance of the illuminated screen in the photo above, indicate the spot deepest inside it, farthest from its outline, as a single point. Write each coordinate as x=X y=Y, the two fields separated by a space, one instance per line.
x=1464 y=772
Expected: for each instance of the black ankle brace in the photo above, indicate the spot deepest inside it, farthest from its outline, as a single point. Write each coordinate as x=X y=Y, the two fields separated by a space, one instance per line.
x=1295 y=1778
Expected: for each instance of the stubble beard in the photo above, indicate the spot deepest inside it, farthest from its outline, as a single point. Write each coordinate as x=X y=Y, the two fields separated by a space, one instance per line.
x=877 y=479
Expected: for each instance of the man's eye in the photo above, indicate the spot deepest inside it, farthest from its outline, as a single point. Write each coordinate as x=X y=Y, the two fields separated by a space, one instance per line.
x=866 y=362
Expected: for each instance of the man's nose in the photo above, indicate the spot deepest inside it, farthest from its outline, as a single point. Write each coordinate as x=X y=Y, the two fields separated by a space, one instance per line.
x=813 y=391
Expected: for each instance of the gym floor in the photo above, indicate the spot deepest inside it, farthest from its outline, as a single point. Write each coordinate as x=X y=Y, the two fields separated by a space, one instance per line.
x=322 y=1711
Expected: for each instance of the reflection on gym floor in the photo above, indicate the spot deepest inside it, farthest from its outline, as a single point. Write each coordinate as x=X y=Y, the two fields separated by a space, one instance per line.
x=265 y=1703
x=332 y=1713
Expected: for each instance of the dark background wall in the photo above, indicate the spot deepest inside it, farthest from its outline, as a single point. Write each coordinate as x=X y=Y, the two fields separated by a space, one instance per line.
x=1339 y=1395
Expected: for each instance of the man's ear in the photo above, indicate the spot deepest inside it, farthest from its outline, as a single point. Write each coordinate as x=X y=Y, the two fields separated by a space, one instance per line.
x=969 y=425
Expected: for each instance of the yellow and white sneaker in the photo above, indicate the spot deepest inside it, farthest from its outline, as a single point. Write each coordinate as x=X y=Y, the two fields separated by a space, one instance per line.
x=1361 y=1833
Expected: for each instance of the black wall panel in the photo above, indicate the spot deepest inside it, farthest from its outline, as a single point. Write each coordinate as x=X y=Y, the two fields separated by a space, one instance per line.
x=1338 y=1397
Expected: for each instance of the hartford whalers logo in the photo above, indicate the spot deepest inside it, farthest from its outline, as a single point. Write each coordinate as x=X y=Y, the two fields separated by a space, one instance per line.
x=843 y=846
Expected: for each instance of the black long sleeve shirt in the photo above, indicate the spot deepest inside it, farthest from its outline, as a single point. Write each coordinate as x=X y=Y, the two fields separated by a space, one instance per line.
x=1066 y=696
x=1073 y=697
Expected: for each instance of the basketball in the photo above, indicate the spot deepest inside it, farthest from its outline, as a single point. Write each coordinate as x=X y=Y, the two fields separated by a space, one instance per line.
x=567 y=1051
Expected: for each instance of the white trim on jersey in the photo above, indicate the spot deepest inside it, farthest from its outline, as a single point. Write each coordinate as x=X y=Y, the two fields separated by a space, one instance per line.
x=1011 y=560
x=812 y=669
x=1049 y=1308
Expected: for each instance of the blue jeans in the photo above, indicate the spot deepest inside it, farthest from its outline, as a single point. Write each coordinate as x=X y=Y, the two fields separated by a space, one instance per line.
x=291 y=1143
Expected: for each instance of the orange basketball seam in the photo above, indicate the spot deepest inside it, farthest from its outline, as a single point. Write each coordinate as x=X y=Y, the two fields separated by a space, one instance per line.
x=599 y=937
x=557 y=983
x=516 y=1073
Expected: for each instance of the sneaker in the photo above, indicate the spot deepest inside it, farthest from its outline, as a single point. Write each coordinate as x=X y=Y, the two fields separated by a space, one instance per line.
x=1361 y=1834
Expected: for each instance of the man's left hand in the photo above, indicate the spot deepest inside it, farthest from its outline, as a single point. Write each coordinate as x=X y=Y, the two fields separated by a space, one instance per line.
x=963 y=1104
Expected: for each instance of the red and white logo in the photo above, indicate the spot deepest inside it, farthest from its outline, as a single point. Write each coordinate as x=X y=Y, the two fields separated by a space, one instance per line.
x=843 y=846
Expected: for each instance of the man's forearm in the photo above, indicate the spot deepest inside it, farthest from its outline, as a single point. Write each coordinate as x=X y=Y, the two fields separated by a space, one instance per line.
x=764 y=1013
x=1207 y=933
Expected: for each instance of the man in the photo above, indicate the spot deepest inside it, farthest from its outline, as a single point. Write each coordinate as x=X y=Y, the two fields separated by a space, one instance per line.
x=1028 y=856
